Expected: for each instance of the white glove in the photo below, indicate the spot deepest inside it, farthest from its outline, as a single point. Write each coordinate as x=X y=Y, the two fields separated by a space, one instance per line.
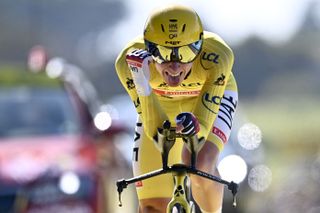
x=138 y=61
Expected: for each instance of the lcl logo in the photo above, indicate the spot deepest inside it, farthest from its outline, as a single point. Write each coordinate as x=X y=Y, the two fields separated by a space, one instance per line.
x=211 y=57
x=211 y=102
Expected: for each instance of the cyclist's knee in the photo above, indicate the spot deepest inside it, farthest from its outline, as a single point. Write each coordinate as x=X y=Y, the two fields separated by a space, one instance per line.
x=207 y=158
x=206 y=162
x=153 y=205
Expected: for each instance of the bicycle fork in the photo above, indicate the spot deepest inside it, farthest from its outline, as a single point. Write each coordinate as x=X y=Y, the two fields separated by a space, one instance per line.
x=181 y=193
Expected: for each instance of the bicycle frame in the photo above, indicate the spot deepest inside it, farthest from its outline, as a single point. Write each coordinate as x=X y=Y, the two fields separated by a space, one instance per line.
x=181 y=191
x=167 y=137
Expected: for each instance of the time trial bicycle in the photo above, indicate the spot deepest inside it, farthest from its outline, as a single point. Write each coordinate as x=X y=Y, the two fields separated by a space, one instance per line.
x=181 y=201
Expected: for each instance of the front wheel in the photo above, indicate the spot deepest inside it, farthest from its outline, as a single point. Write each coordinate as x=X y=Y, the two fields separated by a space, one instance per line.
x=177 y=208
x=192 y=207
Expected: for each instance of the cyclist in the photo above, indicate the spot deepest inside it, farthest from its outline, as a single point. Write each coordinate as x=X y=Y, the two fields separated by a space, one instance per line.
x=178 y=71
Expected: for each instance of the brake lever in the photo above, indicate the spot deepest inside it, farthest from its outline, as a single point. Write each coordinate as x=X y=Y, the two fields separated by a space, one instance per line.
x=233 y=187
x=121 y=184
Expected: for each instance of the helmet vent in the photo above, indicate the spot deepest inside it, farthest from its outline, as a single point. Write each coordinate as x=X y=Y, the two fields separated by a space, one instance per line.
x=162 y=27
x=183 y=27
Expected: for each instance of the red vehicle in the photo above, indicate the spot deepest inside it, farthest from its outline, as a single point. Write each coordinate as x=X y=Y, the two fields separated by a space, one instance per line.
x=49 y=147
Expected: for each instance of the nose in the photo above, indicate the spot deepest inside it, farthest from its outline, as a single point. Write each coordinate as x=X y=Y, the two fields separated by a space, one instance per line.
x=174 y=65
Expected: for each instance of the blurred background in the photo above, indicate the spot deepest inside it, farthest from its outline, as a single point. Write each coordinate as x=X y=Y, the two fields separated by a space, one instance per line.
x=273 y=152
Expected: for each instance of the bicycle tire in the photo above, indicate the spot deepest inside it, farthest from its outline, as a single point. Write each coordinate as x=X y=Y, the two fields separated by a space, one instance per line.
x=177 y=208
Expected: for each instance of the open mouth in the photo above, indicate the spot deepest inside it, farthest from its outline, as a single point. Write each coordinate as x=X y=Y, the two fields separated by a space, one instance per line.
x=174 y=75
x=173 y=79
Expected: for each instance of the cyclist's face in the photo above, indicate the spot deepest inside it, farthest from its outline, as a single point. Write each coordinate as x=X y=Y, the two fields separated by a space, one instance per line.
x=173 y=73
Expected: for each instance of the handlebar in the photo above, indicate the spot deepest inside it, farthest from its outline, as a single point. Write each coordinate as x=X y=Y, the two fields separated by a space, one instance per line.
x=167 y=136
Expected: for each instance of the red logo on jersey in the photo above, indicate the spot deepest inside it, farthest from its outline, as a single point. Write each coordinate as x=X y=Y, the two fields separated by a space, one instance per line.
x=139 y=184
x=220 y=134
x=177 y=93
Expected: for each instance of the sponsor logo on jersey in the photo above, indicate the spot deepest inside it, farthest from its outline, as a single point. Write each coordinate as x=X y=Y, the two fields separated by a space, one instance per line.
x=213 y=57
x=135 y=155
x=218 y=132
x=208 y=60
x=220 y=81
x=137 y=133
x=134 y=67
x=163 y=84
x=130 y=84
x=139 y=184
x=137 y=104
x=184 y=85
x=211 y=102
x=227 y=110
x=176 y=93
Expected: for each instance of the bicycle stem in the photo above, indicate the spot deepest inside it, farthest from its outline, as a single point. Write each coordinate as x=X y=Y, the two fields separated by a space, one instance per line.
x=168 y=135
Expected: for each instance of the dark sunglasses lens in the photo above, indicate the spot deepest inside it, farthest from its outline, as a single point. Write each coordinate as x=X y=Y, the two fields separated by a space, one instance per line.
x=183 y=54
x=154 y=51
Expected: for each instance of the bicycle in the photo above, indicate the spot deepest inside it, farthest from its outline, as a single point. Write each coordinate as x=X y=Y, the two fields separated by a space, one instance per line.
x=181 y=199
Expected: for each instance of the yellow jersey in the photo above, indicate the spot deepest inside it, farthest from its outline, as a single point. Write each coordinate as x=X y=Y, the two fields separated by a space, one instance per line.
x=201 y=91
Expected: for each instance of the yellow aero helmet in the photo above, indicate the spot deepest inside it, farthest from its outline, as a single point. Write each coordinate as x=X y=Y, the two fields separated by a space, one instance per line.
x=173 y=26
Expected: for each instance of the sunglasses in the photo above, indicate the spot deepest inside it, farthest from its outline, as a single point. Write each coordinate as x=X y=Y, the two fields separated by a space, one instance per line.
x=183 y=54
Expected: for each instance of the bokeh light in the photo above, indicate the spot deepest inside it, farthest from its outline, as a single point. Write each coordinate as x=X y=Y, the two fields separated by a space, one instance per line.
x=69 y=183
x=102 y=121
x=55 y=67
x=259 y=178
x=37 y=58
x=233 y=168
x=249 y=136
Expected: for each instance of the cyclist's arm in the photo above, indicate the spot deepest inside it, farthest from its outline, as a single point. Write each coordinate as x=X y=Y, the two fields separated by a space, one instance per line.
x=221 y=130
x=147 y=107
x=208 y=102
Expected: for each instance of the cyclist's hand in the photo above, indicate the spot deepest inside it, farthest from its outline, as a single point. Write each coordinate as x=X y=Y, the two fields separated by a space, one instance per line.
x=187 y=124
x=138 y=61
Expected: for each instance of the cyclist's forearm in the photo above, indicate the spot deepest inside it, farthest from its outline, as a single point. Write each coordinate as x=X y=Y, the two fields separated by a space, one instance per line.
x=152 y=114
x=208 y=103
x=207 y=108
